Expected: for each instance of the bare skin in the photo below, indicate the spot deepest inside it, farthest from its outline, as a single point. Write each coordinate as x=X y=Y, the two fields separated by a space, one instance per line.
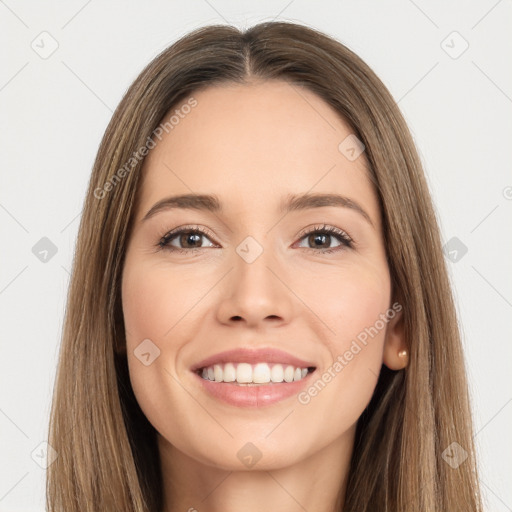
x=252 y=146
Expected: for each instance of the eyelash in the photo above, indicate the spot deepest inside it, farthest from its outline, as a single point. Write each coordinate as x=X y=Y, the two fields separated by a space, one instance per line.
x=344 y=238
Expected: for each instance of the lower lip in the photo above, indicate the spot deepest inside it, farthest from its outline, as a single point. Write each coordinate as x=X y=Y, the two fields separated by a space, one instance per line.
x=253 y=396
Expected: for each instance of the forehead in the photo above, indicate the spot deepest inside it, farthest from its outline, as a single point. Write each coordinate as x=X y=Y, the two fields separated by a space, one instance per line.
x=247 y=143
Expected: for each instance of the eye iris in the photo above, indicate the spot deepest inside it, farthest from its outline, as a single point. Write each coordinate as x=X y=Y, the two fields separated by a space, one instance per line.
x=190 y=237
x=319 y=237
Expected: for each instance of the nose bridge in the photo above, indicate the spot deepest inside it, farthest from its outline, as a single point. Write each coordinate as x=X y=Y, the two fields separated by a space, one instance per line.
x=253 y=261
x=254 y=292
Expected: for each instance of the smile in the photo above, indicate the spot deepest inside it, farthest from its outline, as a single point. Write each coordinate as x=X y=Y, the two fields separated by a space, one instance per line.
x=256 y=374
x=250 y=377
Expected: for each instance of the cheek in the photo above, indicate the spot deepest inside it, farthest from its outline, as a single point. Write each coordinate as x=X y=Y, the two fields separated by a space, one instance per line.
x=159 y=305
x=360 y=305
x=349 y=301
x=151 y=305
x=353 y=305
x=151 y=308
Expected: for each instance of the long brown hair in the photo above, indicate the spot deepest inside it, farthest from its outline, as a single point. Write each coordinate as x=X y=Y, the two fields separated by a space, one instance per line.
x=107 y=453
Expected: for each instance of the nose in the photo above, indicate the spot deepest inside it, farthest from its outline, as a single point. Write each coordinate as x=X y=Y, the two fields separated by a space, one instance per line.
x=256 y=293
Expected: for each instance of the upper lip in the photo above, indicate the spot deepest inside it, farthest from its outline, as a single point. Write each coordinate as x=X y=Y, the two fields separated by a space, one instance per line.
x=253 y=356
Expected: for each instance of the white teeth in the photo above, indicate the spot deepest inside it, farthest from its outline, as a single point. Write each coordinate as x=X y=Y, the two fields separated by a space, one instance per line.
x=277 y=373
x=217 y=372
x=244 y=373
x=261 y=373
x=229 y=372
x=288 y=373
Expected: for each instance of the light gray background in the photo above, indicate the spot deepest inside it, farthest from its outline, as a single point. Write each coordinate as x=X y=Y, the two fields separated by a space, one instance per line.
x=54 y=111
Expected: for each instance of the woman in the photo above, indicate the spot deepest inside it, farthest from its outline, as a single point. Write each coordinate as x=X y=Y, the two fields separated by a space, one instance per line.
x=259 y=314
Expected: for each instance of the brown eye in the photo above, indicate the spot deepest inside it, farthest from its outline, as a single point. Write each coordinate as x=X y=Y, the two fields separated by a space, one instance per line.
x=194 y=239
x=186 y=239
x=321 y=238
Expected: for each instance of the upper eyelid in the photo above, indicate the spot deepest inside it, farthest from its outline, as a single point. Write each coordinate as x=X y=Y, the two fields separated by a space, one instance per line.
x=332 y=230
x=192 y=228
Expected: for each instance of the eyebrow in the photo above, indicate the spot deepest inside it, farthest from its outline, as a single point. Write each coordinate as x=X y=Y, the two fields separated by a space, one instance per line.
x=293 y=202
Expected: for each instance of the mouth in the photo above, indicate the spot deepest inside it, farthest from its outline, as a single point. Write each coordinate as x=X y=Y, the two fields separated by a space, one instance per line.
x=253 y=378
x=260 y=374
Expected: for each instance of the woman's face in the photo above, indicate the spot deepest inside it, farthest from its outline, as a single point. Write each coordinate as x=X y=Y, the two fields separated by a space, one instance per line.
x=261 y=280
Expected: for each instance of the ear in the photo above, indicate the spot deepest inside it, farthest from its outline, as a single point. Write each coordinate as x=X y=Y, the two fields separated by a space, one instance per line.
x=395 y=355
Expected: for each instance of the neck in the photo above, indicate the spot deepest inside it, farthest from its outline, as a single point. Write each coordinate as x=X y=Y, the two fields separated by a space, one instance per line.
x=316 y=482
